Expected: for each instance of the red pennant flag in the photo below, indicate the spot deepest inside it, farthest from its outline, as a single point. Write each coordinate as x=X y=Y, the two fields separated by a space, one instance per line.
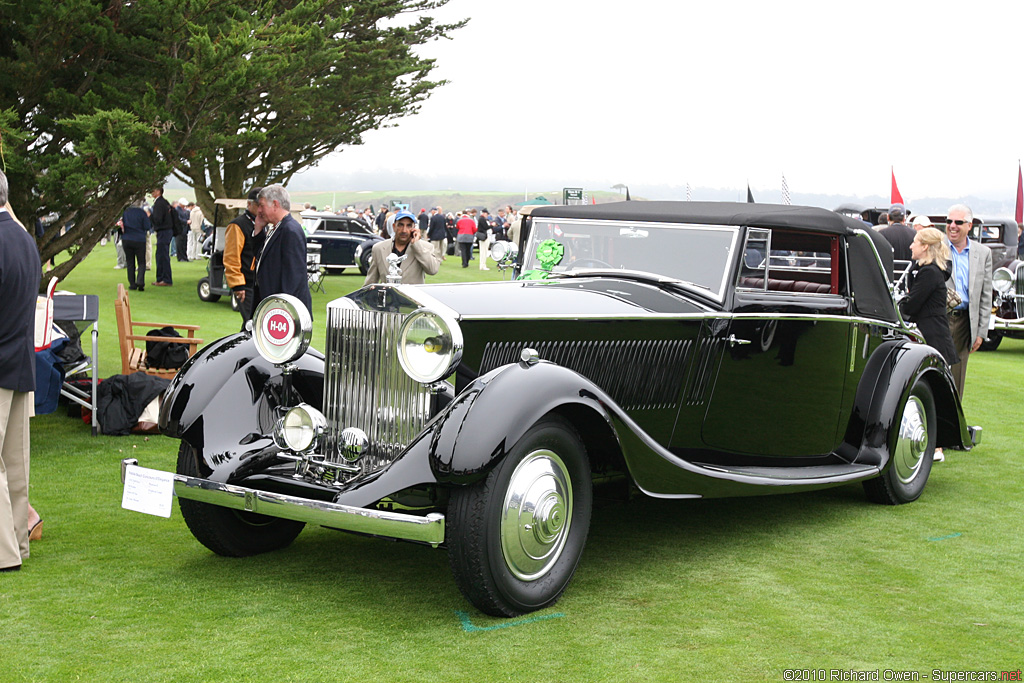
x=896 y=198
x=1018 y=214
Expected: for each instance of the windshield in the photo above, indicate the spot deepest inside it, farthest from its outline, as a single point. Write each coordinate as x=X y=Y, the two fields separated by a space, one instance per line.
x=311 y=223
x=696 y=254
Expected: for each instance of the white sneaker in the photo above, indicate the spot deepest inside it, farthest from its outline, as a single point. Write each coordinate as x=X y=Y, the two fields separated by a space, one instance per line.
x=939 y=457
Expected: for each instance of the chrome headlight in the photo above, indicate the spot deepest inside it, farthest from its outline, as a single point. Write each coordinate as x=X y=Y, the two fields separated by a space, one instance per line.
x=300 y=429
x=429 y=346
x=1002 y=280
x=504 y=252
x=282 y=328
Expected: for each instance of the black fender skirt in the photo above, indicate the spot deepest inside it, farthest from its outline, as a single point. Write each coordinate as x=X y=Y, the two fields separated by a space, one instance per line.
x=891 y=372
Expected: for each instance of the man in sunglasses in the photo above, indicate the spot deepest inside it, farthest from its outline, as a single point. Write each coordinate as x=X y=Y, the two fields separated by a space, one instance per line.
x=972 y=278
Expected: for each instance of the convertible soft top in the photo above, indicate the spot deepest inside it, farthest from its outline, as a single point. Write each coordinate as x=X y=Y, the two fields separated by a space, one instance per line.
x=712 y=213
x=870 y=284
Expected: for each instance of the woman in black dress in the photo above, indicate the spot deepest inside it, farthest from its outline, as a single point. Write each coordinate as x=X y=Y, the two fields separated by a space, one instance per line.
x=925 y=303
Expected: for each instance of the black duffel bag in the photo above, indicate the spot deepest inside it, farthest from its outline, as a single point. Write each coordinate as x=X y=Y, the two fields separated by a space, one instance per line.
x=164 y=354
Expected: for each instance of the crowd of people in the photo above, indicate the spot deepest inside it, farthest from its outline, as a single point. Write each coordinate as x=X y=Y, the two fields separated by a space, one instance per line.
x=949 y=284
x=445 y=233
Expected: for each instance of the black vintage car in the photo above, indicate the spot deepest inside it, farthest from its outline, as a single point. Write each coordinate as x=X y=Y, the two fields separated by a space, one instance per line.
x=345 y=242
x=1000 y=235
x=690 y=349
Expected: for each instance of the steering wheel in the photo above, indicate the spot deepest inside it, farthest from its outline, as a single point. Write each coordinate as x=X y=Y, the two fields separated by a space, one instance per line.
x=595 y=263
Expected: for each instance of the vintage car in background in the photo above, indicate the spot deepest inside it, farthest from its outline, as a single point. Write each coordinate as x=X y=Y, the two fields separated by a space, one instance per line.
x=1000 y=235
x=345 y=242
x=867 y=214
x=690 y=349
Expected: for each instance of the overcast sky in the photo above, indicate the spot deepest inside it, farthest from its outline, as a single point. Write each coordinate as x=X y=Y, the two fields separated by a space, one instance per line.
x=591 y=93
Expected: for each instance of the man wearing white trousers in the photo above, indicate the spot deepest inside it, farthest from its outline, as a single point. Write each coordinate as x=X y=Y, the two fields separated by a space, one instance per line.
x=20 y=271
x=483 y=225
x=195 y=232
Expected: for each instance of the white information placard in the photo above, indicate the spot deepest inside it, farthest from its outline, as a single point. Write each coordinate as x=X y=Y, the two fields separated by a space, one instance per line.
x=148 y=491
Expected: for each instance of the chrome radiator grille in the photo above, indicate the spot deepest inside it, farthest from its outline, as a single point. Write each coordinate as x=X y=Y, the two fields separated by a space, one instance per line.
x=365 y=386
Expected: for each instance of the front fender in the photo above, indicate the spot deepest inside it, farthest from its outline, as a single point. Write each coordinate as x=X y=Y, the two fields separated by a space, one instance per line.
x=499 y=408
x=224 y=403
x=480 y=426
x=888 y=377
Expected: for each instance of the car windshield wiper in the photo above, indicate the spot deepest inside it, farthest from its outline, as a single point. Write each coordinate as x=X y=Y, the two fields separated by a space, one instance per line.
x=632 y=275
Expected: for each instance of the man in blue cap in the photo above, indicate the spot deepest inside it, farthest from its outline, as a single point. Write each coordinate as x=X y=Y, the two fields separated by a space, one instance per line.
x=419 y=261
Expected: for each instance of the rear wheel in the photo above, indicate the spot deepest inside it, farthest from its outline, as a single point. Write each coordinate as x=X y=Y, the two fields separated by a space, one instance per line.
x=515 y=538
x=913 y=449
x=228 y=532
x=364 y=260
x=204 y=291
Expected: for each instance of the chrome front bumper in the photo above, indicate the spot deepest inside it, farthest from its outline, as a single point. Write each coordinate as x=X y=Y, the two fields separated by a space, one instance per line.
x=428 y=529
x=1008 y=324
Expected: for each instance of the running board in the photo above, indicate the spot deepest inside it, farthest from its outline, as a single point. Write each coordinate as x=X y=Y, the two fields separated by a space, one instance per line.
x=794 y=476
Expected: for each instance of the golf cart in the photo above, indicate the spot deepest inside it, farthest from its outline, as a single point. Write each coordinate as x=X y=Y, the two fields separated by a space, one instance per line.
x=213 y=286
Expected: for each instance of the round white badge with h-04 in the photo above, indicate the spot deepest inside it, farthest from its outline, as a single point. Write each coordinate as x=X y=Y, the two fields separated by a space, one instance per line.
x=282 y=328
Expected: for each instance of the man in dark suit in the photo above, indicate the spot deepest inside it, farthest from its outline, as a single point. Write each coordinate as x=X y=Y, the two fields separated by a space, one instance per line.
x=899 y=234
x=181 y=239
x=424 y=220
x=281 y=268
x=20 y=271
x=437 y=233
x=161 y=220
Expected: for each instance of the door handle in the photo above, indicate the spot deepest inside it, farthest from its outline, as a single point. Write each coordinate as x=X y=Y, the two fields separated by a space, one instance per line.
x=734 y=340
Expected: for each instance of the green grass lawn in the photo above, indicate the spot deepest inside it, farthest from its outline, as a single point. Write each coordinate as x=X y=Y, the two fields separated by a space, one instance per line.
x=730 y=590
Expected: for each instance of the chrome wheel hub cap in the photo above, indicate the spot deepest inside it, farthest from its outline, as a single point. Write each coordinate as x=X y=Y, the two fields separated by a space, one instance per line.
x=912 y=441
x=535 y=515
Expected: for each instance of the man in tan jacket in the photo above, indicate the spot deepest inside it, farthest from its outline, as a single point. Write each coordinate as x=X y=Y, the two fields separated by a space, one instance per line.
x=419 y=262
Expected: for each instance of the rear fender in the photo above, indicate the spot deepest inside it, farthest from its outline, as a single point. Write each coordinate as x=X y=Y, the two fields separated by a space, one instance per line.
x=226 y=399
x=888 y=377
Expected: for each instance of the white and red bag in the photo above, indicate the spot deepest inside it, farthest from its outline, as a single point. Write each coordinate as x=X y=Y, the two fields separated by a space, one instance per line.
x=44 y=317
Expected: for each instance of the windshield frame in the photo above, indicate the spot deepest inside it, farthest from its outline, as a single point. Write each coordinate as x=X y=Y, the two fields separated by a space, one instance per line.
x=716 y=292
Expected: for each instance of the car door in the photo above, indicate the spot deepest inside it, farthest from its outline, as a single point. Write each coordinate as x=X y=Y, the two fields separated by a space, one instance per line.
x=336 y=248
x=783 y=352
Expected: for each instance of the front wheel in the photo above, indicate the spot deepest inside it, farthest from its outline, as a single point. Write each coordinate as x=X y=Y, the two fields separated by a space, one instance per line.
x=228 y=532
x=913 y=450
x=204 y=291
x=515 y=538
x=364 y=260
